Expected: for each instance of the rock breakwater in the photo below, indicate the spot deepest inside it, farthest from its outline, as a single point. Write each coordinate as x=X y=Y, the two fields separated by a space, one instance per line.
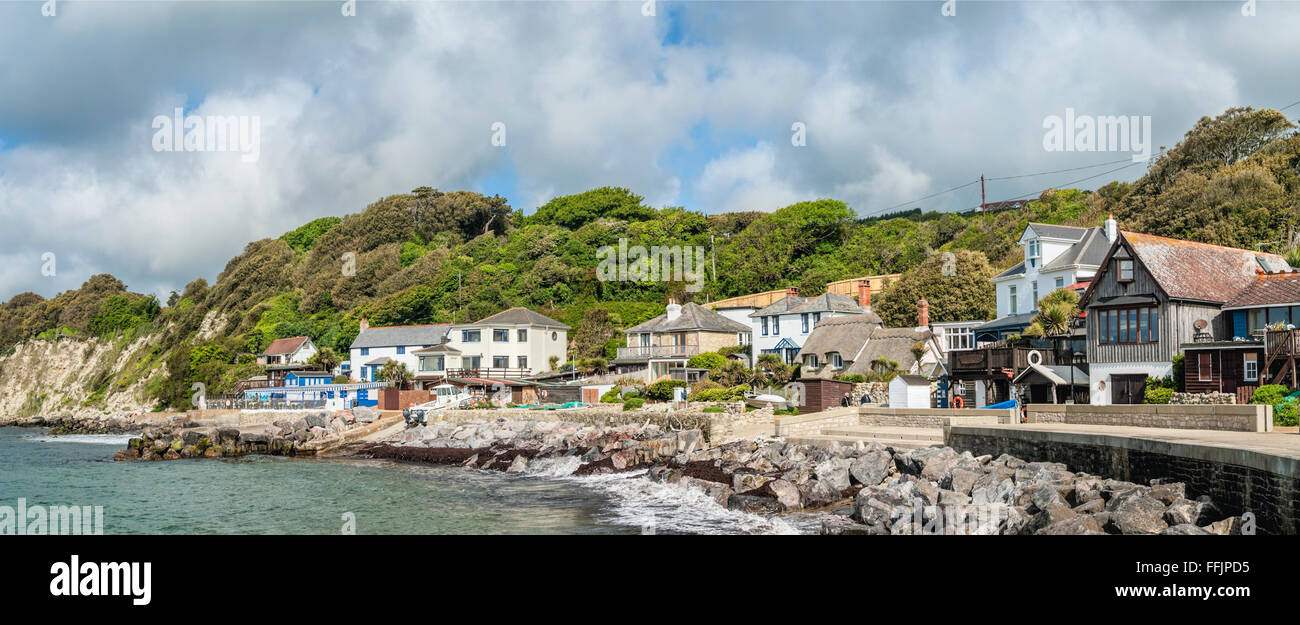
x=872 y=489
x=301 y=437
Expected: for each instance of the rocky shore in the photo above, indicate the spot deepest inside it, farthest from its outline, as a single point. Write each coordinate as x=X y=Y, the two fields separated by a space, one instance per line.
x=872 y=489
x=300 y=437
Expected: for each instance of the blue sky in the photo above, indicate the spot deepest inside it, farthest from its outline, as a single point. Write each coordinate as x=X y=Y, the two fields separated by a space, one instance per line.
x=692 y=106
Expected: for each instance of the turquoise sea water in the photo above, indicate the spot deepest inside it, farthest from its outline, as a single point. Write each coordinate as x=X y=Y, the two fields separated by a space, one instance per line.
x=271 y=495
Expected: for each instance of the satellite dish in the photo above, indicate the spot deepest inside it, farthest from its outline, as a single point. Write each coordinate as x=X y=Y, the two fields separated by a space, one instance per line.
x=1200 y=324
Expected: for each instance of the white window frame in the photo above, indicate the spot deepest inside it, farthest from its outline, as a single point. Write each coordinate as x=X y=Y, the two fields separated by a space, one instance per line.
x=1011 y=296
x=837 y=361
x=811 y=361
x=1250 y=361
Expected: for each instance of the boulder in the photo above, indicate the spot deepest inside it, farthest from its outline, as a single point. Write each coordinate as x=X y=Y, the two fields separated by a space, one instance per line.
x=925 y=492
x=1049 y=515
x=747 y=479
x=1075 y=525
x=1183 y=511
x=1185 y=529
x=719 y=493
x=519 y=465
x=1134 y=512
x=962 y=480
x=818 y=494
x=754 y=504
x=1046 y=495
x=1091 y=506
x=841 y=526
x=316 y=420
x=1169 y=492
x=833 y=471
x=871 y=468
x=1230 y=526
x=787 y=494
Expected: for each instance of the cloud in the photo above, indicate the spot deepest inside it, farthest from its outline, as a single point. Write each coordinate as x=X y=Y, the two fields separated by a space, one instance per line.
x=898 y=102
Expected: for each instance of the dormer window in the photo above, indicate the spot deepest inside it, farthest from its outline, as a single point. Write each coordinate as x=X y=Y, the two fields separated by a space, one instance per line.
x=1033 y=252
x=810 y=361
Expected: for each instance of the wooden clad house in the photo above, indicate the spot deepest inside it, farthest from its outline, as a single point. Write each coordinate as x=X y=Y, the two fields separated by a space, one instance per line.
x=1151 y=297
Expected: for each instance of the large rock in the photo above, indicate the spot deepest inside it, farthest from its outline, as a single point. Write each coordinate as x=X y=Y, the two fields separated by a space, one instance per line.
x=317 y=420
x=1046 y=495
x=754 y=504
x=787 y=494
x=872 y=467
x=1051 y=514
x=818 y=494
x=747 y=480
x=833 y=471
x=1134 y=512
x=365 y=414
x=1078 y=524
x=719 y=493
x=1185 y=529
x=962 y=480
x=1168 y=492
x=1183 y=511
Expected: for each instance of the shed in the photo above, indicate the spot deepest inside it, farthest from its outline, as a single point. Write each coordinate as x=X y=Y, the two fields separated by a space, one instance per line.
x=818 y=394
x=909 y=391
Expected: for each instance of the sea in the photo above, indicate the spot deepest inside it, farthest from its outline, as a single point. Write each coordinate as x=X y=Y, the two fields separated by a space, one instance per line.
x=276 y=495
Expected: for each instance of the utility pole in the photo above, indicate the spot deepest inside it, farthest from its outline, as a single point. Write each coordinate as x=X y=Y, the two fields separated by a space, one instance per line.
x=983 y=210
x=459 y=300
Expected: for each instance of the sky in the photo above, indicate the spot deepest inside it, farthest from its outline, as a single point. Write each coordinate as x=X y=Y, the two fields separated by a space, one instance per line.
x=711 y=106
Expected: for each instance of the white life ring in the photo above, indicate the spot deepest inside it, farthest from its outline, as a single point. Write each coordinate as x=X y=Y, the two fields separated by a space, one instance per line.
x=1034 y=357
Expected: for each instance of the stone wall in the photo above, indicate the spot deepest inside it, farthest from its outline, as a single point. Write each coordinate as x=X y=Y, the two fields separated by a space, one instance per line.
x=933 y=417
x=1237 y=479
x=1239 y=418
x=879 y=392
x=1202 y=399
x=813 y=423
x=716 y=426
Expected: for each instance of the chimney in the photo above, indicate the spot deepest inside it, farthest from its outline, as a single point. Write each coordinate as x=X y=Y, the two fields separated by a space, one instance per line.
x=674 y=309
x=923 y=313
x=365 y=324
x=1112 y=228
x=864 y=293
x=792 y=291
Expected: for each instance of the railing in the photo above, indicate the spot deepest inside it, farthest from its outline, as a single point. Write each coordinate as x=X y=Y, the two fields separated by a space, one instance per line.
x=483 y=372
x=659 y=351
x=245 y=403
x=991 y=359
x=1281 y=342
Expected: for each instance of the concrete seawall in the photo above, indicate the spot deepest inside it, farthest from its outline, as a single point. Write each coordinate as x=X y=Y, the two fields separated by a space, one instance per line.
x=1241 y=471
x=1228 y=417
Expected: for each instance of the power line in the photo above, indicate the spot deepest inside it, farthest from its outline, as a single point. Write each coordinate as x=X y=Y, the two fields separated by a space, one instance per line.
x=1060 y=171
x=902 y=204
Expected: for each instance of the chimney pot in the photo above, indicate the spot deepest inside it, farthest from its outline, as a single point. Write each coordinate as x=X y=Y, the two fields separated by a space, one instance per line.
x=792 y=291
x=365 y=324
x=864 y=293
x=923 y=313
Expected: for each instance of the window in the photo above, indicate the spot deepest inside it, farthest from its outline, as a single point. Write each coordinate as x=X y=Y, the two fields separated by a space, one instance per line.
x=1204 y=366
x=645 y=340
x=810 y=361
x=500 y=336
x=1128 y=325
x=1125 y=270
x=764 y=322
x=741 y=338
x=1012 y=292
x=1060 y=282
x=1279 y=314
x=523 y=361
x=1254 y=319
x=475 y=362
x=776 y=325
x=365 y=351
x=521 y=335
x=401 y=349
x=432 y=363
x=1033 y=252
x=837 y=361
x=1035 y=285
x=500 y=362
x=1250 y=367
x=471 y=336
x=817 y=317
x=803 y=318
x=956 y=339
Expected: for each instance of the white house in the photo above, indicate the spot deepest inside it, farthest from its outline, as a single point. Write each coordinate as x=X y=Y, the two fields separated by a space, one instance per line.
x=287 y=351
x=374 y=347
x=517 y=341
x=1056 y=257
x=783 y=326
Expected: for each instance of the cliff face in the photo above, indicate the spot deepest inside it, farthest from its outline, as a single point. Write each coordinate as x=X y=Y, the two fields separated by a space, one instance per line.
x=76 y=377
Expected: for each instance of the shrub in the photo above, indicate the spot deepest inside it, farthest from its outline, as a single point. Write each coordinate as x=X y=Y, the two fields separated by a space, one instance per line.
x=1285 y=413
x=792 y=411
x=1157 y=395
x=663 y=389
x=713 y=409
x=856 y=378
x=707 y=360
x=1269 y=394
x=633 y=404
x=612 y=396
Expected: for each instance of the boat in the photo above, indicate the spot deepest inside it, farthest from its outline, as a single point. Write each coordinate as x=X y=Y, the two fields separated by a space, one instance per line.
x=777 y=402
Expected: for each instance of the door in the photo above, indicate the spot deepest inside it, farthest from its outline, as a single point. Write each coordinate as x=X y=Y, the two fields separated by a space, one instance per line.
x=1128 y=389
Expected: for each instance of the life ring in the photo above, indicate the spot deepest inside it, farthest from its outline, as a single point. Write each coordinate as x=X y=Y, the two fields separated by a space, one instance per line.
x=543 y=393
x=958 y=402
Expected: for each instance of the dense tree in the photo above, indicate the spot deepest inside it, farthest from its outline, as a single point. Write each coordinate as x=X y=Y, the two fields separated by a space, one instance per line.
x=957 y=288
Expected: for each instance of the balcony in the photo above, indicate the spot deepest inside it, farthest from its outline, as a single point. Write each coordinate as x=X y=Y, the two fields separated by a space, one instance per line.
x=1281 y=342
x=484 y=372
x=660 y=351
x=990 y=360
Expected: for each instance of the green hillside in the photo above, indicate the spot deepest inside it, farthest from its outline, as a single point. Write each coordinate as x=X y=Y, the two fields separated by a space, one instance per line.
x=433 y=256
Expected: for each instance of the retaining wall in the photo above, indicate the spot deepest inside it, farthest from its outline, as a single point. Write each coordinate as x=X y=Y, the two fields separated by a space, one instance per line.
x=1229 y=417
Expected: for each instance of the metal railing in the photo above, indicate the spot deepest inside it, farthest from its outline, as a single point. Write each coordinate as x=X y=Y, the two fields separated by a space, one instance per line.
x=488 y=372
x=244 y=403
x=659 y=351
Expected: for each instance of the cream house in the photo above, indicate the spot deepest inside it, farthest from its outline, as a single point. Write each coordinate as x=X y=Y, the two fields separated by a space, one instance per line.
x=671 y=339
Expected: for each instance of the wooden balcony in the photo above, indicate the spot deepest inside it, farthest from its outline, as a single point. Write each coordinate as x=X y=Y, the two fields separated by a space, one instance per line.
x=660 y=351
x=990 y=360
x=484 y=372
x=1281 y=342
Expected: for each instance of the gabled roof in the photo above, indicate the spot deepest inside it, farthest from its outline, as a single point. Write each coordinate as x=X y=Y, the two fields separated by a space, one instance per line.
x=284 y=346
x=1054 y=231
x=1090 y=250
x=1268 y=289
x=779 y=307
x=393 y=336
x=844 y=334
x=1016 y=270
x=441 y=348
x=519 y=316
x=1198 y=271
x=692 y=317
x=830 y=302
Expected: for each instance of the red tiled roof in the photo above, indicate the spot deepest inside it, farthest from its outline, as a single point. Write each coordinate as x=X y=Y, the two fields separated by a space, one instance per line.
x=1269 y=289
x=1197 y=271
x=285 y=346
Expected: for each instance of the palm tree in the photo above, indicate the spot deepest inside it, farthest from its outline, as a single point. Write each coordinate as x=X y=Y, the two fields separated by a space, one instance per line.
x=325 y=358
x=1055 y=314
x=396 y=374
